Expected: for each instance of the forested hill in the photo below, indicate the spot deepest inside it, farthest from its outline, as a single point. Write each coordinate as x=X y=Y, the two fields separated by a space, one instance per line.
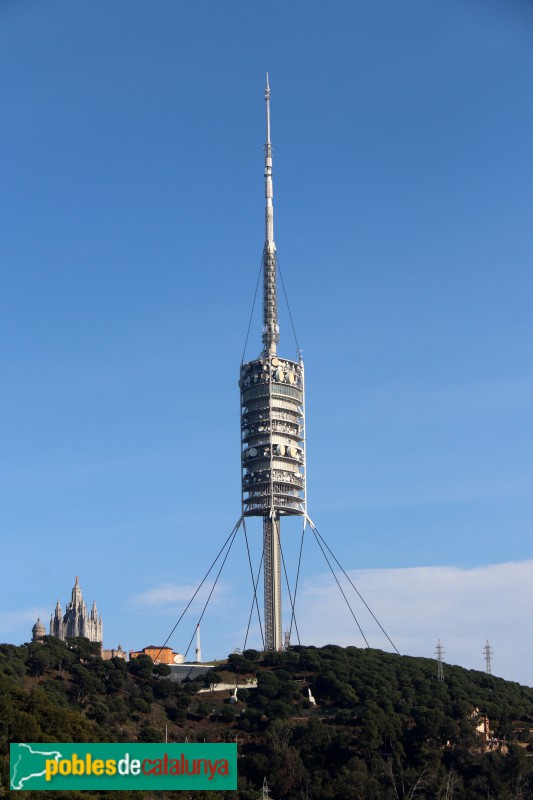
x=382 y=727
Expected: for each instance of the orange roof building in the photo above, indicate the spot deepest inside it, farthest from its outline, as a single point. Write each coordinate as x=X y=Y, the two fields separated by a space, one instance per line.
x=159 y=655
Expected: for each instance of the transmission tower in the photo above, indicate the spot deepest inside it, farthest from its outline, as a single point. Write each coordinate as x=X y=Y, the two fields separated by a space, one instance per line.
x=488 y=653
x=439 y=652
x=272 y=425
x=265 y=791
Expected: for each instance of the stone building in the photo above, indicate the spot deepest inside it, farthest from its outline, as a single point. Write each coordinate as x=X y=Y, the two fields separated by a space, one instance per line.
x=38 y=631
x=77 y=621
x=107 y=655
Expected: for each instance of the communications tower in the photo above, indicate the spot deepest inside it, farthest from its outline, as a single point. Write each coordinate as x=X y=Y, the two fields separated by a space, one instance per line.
x=272 y=425
x=487 y=652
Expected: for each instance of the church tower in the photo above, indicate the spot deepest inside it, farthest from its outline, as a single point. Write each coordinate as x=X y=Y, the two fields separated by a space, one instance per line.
x=272 y=425
x=77 y=621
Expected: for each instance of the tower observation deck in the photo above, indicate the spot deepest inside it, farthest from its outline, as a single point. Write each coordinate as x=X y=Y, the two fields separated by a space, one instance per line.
x=272 y=425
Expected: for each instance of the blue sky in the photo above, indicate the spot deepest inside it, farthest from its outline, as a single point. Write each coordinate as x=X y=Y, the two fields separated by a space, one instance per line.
x=131 y=208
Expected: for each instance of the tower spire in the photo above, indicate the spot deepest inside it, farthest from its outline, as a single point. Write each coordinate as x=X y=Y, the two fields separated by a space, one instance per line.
x=269 y=210
x=270 y=300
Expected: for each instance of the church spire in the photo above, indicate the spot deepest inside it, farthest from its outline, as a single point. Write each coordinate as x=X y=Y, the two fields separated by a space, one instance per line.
x=77 y=599
x=270 y=300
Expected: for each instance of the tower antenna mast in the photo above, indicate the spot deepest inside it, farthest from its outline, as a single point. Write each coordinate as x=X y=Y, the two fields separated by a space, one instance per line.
x=198 y=654
x=270 y=294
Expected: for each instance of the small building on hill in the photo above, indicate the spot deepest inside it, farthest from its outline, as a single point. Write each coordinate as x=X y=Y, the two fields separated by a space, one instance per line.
x=38 y=631
x=183 y=672
x=107 y=655
x=159 y=655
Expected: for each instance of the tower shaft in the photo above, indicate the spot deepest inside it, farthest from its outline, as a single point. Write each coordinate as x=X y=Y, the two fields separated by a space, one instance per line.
x=272 y=582
x=270 y=302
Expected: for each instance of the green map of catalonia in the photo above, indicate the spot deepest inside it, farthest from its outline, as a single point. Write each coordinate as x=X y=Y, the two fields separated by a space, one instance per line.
x=29 y=763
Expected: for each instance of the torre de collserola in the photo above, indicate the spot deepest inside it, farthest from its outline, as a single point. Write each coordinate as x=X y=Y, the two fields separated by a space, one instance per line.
x=272 y=425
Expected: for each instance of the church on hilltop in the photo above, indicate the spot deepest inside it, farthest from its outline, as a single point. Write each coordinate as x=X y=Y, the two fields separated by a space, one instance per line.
x=76 y=621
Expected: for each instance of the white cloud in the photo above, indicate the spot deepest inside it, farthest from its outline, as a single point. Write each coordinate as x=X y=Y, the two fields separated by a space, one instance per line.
x=168 y=594
x=417 y=606
x=11 y=620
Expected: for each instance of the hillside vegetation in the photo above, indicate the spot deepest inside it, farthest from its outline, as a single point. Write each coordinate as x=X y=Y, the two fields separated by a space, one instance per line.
x=382 y=727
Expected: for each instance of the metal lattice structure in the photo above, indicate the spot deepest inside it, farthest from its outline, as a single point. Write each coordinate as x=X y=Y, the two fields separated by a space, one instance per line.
x=488 y=653
x=439 y=652
x=265 y=791
x=272 y=425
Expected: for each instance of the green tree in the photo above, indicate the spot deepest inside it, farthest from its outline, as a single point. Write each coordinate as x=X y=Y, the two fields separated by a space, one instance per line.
x=147 y=733
x=162 y=670
x=142 y=666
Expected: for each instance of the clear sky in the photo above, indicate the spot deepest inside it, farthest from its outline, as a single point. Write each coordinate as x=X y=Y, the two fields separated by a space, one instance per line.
x=131 y=216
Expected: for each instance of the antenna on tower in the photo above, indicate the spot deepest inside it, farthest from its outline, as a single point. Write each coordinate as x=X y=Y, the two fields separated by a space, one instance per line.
x=439 y=652
x=270 y=263
x=198 y=657
x=488 y=653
